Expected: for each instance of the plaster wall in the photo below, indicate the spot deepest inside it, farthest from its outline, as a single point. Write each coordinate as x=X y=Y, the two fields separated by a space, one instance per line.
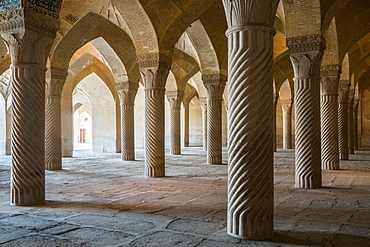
x=140 y=117
x=195 y=123
x=103 y=114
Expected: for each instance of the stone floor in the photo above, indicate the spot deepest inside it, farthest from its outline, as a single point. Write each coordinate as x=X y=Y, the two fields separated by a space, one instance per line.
x=100 y=200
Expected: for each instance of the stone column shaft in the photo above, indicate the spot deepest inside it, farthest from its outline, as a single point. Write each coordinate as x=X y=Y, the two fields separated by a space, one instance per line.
x=175 y=99
x=8 y=130
x=343 y=119
x=215 y=85
x=351 y=148
x=127 y=93
x=154 y=74
x=53 y=118
x=329 y=117
x=306 y=55
x=355 y=124
x=287 y=124
x=28 y=49
x=204 y=105
x=250 y=184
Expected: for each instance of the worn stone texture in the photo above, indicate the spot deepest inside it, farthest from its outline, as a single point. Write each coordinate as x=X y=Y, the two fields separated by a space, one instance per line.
x=96 y=201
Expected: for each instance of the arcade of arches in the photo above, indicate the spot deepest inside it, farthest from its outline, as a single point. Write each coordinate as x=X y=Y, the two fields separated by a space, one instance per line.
x=252 y=76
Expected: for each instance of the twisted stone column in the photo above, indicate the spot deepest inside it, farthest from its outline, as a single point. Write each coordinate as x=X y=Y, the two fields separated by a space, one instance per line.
x=175 y=99
x=329 y=117
x=127 y=93
x=203 y=104
x=8 y=129
x=351 y=147
x=28 y=49
x=355 y=123
x=215 y=85
x=154 y=73
x=186 y=123
x=306 y=56
x=343 y=119
x=287 y=123
x=250 y=185
x=275 y=101
x=53 y=126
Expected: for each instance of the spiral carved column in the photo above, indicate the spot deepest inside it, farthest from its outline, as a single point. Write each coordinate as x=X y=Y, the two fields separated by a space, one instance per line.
x=343 y=119
x=53 y=145
x=215 y=85
x=175 y=99
x=287 y=123
x=275 y=101
x=186 y=123
x=154 y=74
x=306 y=56
x=351 y=148
x=355 y=124
x=53 y=126
x=250 y=184
x=28 y=50
x=8 y=129
x=127 y=93
x=329 y=117
x=203 y=104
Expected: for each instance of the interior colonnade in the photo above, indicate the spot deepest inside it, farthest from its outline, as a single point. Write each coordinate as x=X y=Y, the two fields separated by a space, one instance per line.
x=264 y=47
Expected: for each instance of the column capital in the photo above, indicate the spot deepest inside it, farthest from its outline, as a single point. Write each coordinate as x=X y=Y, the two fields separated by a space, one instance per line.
x=127 y=91
x=332 y=70
x=55 y=79
x=246 y=14
x=304 y=44
x=154 y=70
x=215 y=85
x=286 y=105
x=351 y=95
x=344 y=90
x=330 y=79
x=175 y=98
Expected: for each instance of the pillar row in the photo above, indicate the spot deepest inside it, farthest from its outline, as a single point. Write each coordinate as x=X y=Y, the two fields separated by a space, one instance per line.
x=343 y=119
x=250 y=184
x=215 y=85
x=287 y=123
x=175 y=99
x=204 y=104
x=127 y=92
x=329 y=116
x=306 y=55
x=154 y=73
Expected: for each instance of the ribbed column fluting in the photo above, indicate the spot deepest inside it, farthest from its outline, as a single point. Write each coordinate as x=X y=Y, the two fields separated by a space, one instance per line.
x=204 y=105
x=175 y=99
x=329 y=117
x=154 y=74
x=215 y=84
x=343 y=119
x=250 y=108
x=306 y=55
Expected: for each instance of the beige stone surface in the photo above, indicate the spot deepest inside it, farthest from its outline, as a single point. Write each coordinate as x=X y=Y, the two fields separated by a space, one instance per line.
x=98 y=199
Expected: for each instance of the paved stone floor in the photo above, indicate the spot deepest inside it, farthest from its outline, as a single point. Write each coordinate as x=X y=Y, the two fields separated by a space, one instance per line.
x=100 y=200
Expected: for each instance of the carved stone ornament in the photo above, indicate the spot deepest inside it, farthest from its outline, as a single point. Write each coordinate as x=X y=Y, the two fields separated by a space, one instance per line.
x=307 y=43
